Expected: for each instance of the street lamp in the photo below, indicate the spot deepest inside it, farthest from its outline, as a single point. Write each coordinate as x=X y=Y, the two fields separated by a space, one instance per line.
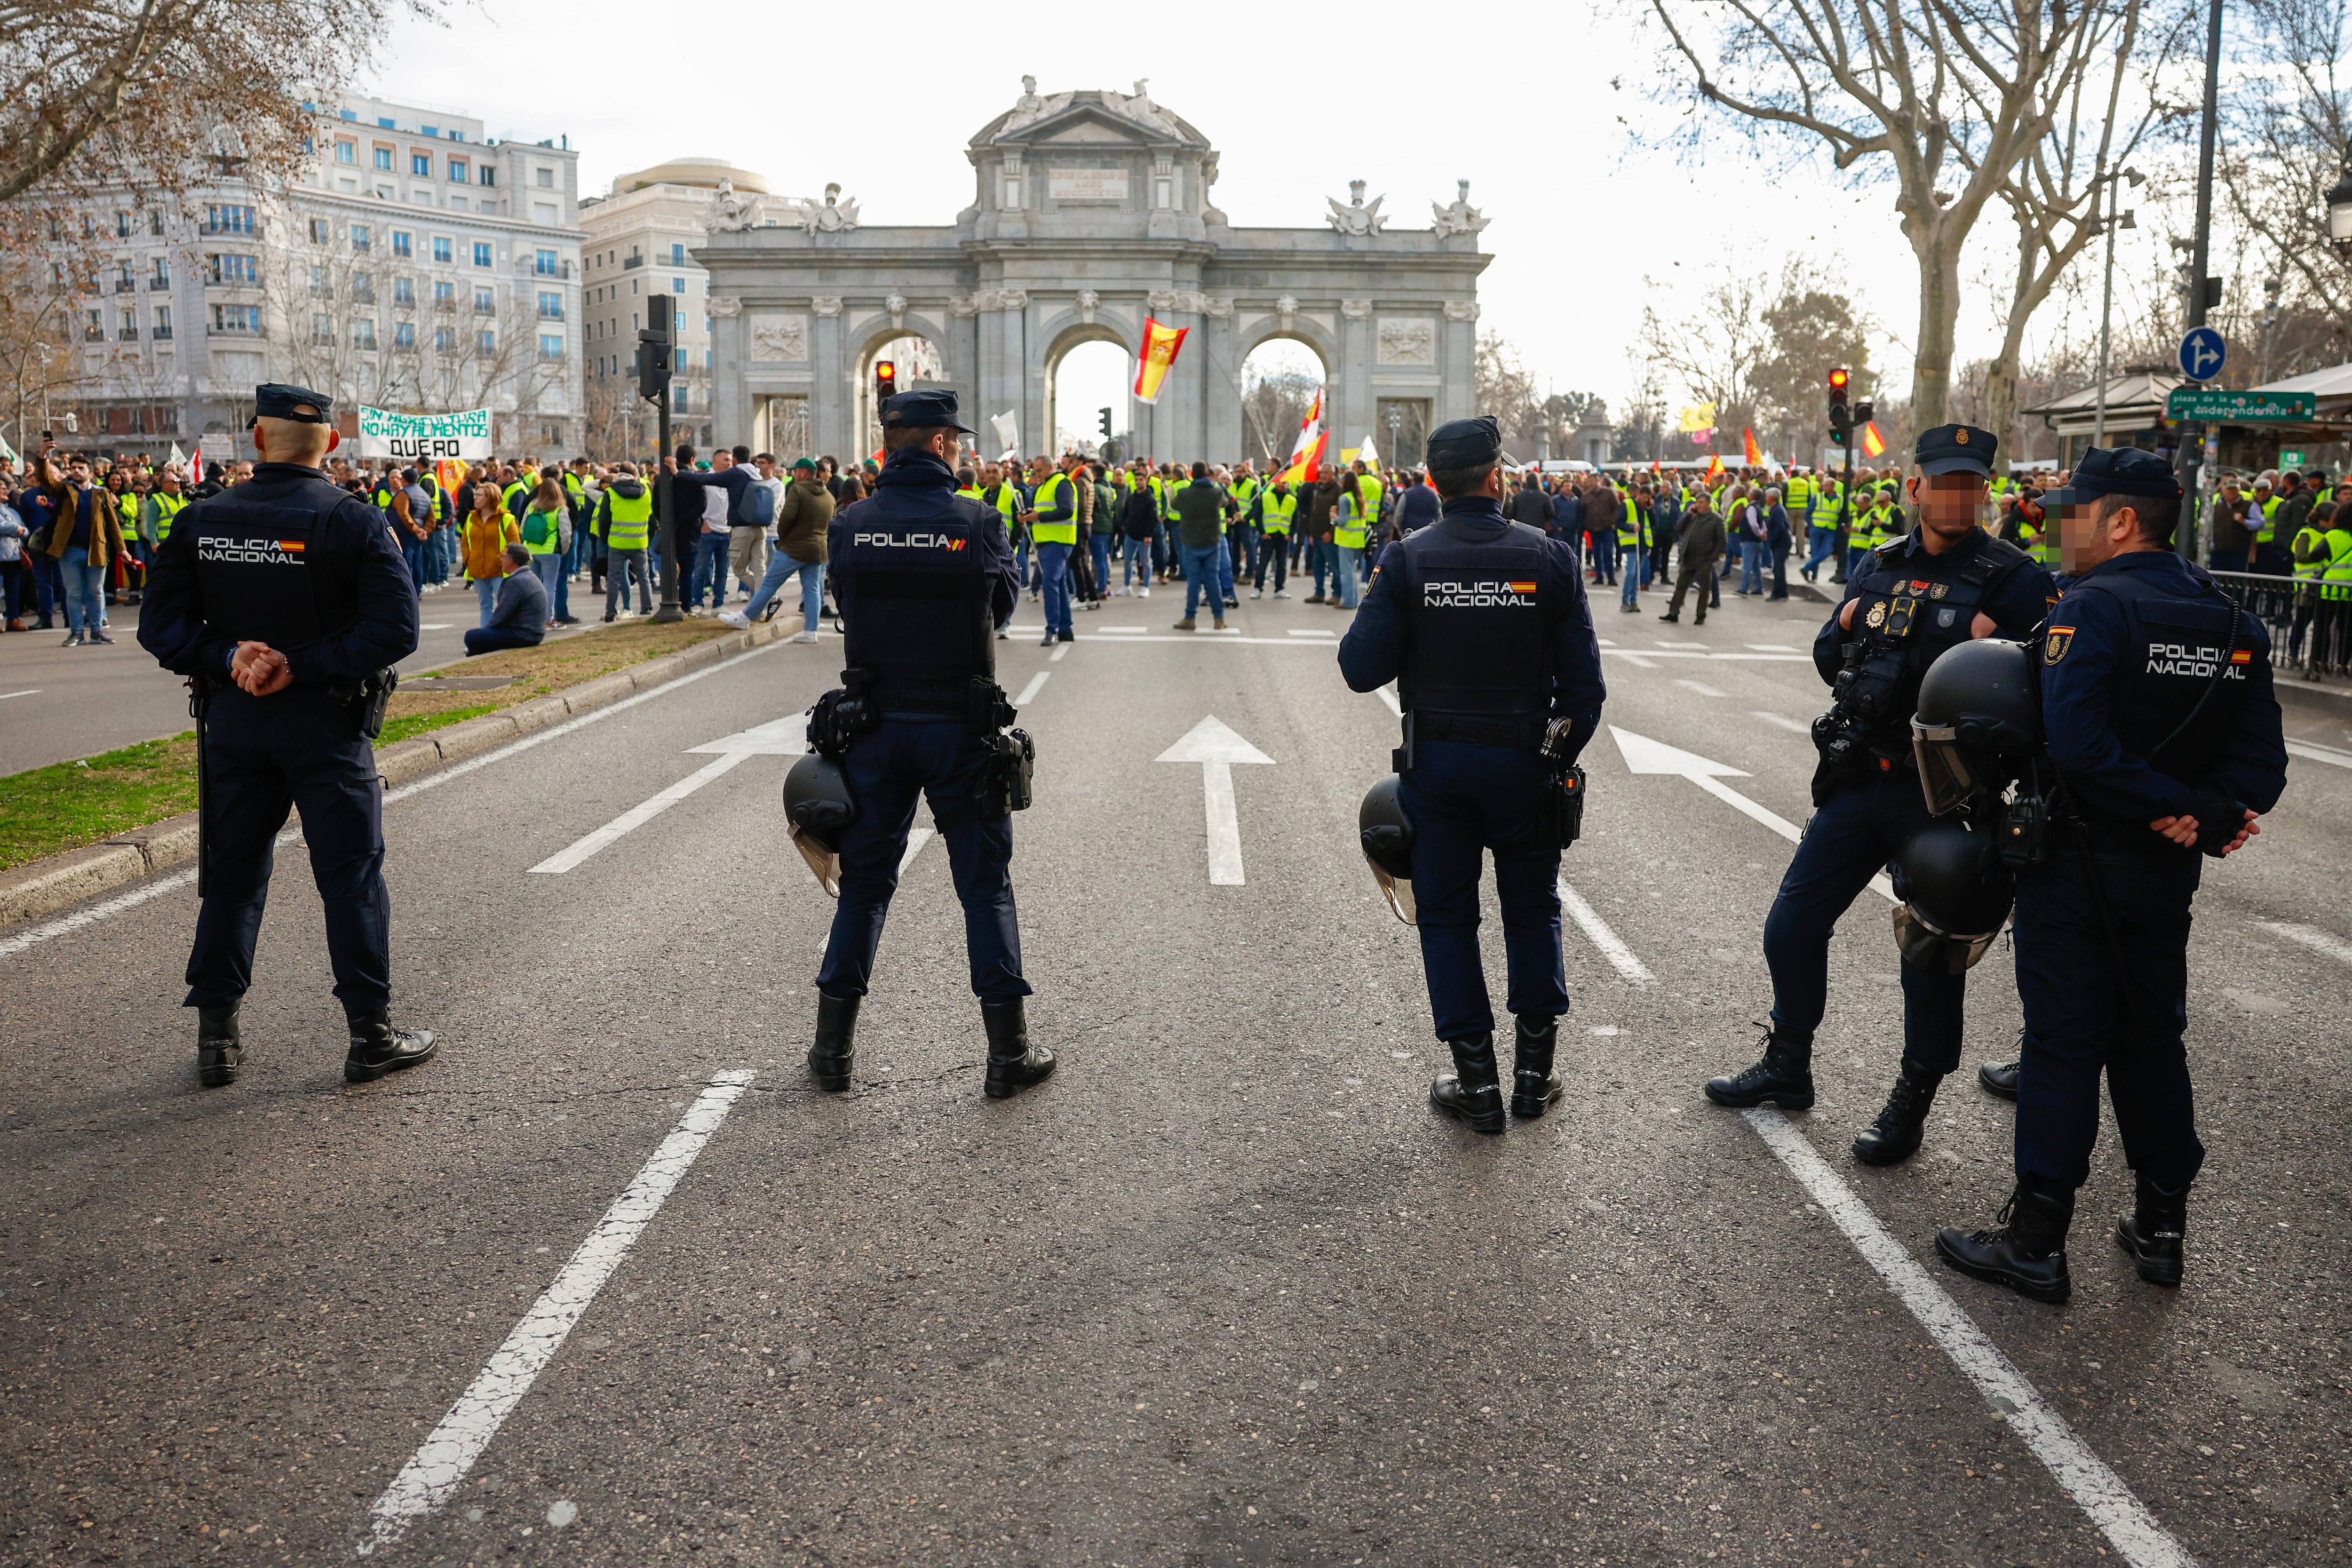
x=2339 y=211
x=2115 y=220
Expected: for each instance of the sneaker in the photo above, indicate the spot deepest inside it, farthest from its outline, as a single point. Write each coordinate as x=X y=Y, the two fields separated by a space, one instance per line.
x=1120 y=593
x=73 y=639
x=1282 y=593
x=805 y=637
x=101 y=636
x=735 y=618
x=1257 y=593
x=1143 y=592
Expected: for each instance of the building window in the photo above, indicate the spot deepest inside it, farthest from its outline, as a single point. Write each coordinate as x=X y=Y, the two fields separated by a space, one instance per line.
x=489 y=175
x=550 y=307
x=156 y=224
x=680 y=355
x=403 y=334
x=238 y=320
x=162 y=323
x=421 y=165
x=677 y=285
x=546 y=178
x=319 y=288
x=359 y=236
x=403 y=291
x=124 y=282
x=363 y=287
x=544 y=264
x=232 y=269
x=364 y=332
x=551 y=346
x=319 y=229
x=486 y=343
x=444 y=339
x=457 y=171
x=441 y=248
x=428 y=131
x=457 y=136
x=161 y=277
x=127 y=330
x=94 y=326
x=383 y=159
x=481 y=253
x=122 y=226
x=676 y=255
x=228 y=220
x=485 y=302
x=346 y=152
x=322 y=328
x=444 y=296
x=399 y=242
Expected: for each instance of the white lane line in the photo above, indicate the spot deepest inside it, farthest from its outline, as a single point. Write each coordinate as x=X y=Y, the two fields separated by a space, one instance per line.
x=1029 y=692
x=637 y=816
x=1230 y=636
x=1612 y=947
x=1643 y=660
x=916 y=838
x=2096 y=1489
x=1630 y=657
x=1315 y=634
x=2303 y=749
x=1781 y=720
x=438 y=1465
x=1702 y=688
x=1771 y=647
x=66 y=924
x=1122 y=631
x=1702 y=647
x=1779 y=824
x=1058 y=653
x=2311 y=937
x=29 y=691
x=1388 y=694
x=435 y=626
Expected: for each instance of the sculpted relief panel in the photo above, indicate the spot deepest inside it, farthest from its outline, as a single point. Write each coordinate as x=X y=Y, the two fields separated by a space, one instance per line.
x=780 y=339
x=1408 y=342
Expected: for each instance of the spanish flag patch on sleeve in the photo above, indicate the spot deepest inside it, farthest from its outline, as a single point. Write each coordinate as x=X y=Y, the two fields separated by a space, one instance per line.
x=2054 y=646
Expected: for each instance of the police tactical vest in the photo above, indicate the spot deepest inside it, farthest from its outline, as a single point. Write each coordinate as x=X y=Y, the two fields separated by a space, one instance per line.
x=920 y=624
x=1909 y=609
x=1476 y=645
x=2173 y=648
x=263 y=574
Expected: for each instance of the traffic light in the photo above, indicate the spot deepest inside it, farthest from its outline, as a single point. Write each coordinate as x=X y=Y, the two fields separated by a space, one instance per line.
x=1104 y=419
x=653 y=350
x=885 y=382
x=1841 y=415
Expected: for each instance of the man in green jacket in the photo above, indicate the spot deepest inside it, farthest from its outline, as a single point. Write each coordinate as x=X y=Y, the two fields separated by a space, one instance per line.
x=801 y=521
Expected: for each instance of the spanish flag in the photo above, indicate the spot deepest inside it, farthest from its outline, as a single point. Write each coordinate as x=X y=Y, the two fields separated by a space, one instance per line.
x=1158 y=356
x=1306 y=456
x=1755 y=458
x=1714 y=466
x=1873 y=444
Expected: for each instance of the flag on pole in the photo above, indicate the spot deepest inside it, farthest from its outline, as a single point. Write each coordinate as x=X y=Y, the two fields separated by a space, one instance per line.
x=1008 y=431
x=1714 y=466
x=1755 y=458
x=1158 y=356
x=1307 y=457
x=1697 y=419
x=449 y=473
x=1368 y=454
x=1873 y=444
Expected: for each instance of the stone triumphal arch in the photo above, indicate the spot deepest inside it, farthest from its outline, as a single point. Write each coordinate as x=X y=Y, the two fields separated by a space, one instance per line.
x=1092 y=211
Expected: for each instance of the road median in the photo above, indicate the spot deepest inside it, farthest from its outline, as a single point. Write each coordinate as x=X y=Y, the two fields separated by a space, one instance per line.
x=90 y=805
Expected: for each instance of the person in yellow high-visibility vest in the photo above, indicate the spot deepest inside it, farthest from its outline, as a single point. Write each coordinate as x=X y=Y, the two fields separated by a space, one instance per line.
x=625 y=514
x=1275 y=506
x=1056 y=534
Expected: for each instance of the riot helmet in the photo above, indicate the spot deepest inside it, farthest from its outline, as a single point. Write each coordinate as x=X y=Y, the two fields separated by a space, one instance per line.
x=1979 y=703
x=1386 y=835
x=1957 y=894
x=818 y=809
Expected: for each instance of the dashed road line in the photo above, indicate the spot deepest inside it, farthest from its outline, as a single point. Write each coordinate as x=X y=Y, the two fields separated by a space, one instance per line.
x=1058 y=653
x=2303 y=749
x=636 y=816
x=1782 y=721
x=29 y=691
x=1702 y=688
x=1029 y=692
x=440 y=1464
x=2311 y=937
x=1622 y=958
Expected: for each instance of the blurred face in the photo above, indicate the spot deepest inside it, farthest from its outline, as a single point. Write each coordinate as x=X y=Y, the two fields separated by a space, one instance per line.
x=1949 y=504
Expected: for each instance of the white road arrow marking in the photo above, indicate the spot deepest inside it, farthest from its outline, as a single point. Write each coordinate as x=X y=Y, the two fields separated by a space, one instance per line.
x=1643 y=755
x=1612 y=947
x=1214 y=745
x=785 y=737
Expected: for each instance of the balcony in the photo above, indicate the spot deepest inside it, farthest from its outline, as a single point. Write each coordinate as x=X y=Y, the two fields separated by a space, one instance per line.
x=250 y=230
x=629 y=262
x=164 y=334
x=126 y=285
x=159 y=284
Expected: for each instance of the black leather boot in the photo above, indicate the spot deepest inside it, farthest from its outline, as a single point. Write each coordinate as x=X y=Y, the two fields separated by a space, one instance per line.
x=1474 y=1089
x=1894 y=1136
x=219 y=1051
x=1014 y=1064
x=2028 y=1253
x=1999 y=1078
x=1534 y=1086
x=1783 y=1076
x=830 y=1059
x=2152 y=1232
x=378 y=1048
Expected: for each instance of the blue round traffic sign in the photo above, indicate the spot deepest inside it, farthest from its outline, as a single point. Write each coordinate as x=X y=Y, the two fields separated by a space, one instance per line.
x=2202 y=352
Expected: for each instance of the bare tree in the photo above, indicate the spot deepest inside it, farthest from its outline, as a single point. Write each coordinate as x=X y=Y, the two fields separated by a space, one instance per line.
x=1945 y=96
x=2289 y=140
x=1272 y=407
x=1716 y=351
x=41 y=357
x=1506 y=389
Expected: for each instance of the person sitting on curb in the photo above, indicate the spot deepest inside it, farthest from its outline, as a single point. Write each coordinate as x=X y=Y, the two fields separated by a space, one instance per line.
x=519 y=619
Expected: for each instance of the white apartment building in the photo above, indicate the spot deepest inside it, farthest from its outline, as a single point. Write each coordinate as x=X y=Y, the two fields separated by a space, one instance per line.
x=417 y=263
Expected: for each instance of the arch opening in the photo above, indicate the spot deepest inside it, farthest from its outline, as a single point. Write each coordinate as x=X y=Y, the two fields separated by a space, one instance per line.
x=1089 y=380
x=915 y=360
x=1278 y=383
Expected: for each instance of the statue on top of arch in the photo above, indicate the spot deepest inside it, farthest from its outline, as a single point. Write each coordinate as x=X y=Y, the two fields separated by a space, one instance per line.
x=1356 y=217
x=1459 y=218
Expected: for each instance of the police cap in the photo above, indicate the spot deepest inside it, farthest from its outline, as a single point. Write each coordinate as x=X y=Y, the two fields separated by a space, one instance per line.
x=2118 y=471
x=1956 y=449
x=1466 y=444
x=923 y=410
x=276 y=400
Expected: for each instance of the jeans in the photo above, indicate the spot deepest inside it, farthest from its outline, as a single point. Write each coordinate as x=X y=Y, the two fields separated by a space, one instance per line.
x=1751 y=566
x=1825 y=546
x=710 y=567
x=1053 y=565
x=550 y=570
x=1099 y=550
x=486 y=590
x=1604 y=559
x=85 y=593
x=1463 y=799
x=493 y=639
x=618 y=564
x=1199 y=577
x=1634 y=575
x=1274 y=551
x=1225 y=568
x=1136 y=572
x=12 y=580
x=48 y=585
x=781 y=568
x=1347 y=562
x=414 y=551
x=1780 y=548
x=1327 y=560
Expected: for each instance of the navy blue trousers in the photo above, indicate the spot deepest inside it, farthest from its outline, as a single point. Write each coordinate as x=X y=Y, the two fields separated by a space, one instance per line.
x=2083 y=1015
x=887 y=767
x=264 y=756
x=1464 y=800
x=1848 y=842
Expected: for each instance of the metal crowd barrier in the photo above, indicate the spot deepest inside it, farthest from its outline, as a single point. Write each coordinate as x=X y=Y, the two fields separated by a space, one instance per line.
x=2308 y=633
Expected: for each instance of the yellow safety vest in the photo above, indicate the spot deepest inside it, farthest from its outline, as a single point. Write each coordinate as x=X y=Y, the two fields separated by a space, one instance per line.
x=1367 y=498
x=1797 y=500
x=2335 y=581
x=1066 y=533
x=1275 y=511
x=167 y=511
x=542 y=531
x=1245 y=491
x=626 y=518
x=1344 y=537
x=1006 y=507
x=2268 y=533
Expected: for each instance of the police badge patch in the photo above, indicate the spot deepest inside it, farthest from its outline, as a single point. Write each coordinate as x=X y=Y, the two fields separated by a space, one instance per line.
x=2054 y=646
x=1877 y=614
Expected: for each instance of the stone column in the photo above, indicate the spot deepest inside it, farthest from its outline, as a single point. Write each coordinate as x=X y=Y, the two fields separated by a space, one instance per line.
x=1457 y=360
x=831 y=405
x=1353 y=415
x=730 y=396
x=1221 y=397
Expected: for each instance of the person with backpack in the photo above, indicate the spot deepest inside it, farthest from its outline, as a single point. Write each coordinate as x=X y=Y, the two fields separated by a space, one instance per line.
x=547 y=535
x=800 y=522
x=750 y=525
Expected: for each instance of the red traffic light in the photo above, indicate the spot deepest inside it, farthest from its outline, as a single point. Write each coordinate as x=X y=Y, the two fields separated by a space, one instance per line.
x=886 y=378
x=1838 y=379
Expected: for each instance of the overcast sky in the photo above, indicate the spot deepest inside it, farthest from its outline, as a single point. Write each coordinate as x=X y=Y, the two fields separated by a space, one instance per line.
x=1517 y=98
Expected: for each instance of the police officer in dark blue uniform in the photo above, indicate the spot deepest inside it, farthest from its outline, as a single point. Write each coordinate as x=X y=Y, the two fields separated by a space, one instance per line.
x=1483 y=625
x=2158 y=713
x=286 y=602
x=922 y=577
x=1945 y=582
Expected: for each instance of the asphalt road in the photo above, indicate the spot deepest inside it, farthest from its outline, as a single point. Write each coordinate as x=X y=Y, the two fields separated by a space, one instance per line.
x=611 y=1283
x=57 y=703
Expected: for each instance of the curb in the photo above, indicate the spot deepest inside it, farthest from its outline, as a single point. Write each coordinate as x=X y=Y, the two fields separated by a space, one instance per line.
x=43 y=887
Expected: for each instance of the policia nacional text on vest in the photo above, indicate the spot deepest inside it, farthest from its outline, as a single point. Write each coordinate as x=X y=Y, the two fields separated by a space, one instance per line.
x=1906 y=602
x=922 y=577
x=286 y=603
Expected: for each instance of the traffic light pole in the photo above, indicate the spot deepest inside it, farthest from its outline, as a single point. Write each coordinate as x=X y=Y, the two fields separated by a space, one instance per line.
x=669 y=610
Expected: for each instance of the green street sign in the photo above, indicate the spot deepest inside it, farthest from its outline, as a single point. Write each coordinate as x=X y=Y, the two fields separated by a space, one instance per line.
x=2219 y=407
x=2290 y=460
